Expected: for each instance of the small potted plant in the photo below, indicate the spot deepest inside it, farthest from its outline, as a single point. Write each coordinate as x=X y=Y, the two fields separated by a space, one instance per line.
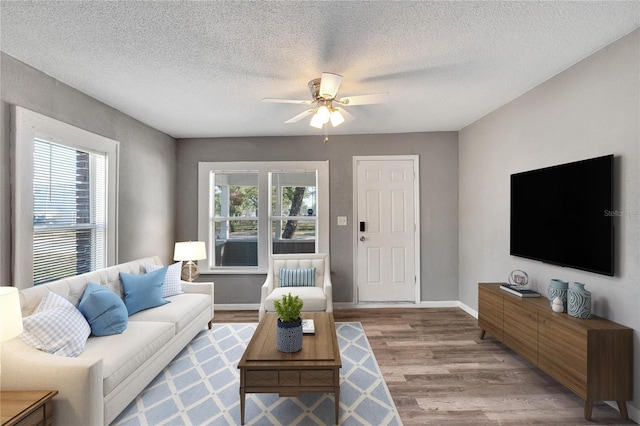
x=289 y=327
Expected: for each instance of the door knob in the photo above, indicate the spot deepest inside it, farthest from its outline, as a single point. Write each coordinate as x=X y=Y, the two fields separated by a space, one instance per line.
x=362 y=238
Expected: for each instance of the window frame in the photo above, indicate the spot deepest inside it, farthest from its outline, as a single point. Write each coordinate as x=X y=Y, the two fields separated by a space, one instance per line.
x=265 y=214
x=26 y=127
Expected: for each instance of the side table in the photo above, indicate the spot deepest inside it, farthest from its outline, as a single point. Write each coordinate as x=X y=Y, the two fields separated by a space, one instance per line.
x=18 y=408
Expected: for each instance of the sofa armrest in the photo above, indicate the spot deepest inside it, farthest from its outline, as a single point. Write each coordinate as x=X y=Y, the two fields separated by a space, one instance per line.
x=200 y=288
x=265 y=291
x=79 y=381
x=328 y=291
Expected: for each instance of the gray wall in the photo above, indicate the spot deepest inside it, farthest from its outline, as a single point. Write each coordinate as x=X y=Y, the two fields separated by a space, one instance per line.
x=439 y=201
x=591 y=109
x=147 y=176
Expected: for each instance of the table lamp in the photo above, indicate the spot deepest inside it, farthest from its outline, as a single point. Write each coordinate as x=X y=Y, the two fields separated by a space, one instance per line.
x=190 y=251
x=10 y=316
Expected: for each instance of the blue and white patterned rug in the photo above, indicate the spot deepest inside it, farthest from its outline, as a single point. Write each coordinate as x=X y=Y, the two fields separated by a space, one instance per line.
x=201 y=387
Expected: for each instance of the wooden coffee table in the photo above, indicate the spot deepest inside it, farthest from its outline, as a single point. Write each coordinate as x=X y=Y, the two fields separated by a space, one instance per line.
x=316 y=368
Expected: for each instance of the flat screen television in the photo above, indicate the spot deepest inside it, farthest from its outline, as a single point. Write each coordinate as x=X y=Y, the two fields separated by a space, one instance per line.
x=563 y=215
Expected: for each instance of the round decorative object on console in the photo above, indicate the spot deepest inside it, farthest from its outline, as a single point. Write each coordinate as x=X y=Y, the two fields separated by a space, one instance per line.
x=558 y=288
x=579 y=301
x=557 y=305
x=518 y=278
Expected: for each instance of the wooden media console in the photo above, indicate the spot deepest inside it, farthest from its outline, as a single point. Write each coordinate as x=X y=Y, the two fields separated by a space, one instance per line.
x=592 y=357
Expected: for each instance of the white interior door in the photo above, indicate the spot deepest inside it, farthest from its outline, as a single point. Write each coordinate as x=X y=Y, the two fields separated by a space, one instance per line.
x=386 y=229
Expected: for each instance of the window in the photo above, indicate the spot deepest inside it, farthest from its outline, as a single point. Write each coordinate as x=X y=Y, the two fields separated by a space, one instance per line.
x=235 y=218
x=65 y=199
x=293 y=212
x=250 y=209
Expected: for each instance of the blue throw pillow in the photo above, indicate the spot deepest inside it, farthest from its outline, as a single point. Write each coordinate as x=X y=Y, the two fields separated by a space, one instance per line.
x=143 y=291
x=297 y=277
x=105 y=312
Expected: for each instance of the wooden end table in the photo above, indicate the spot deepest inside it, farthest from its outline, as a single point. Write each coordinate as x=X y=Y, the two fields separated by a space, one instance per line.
x=315 y=368
x=19 y=408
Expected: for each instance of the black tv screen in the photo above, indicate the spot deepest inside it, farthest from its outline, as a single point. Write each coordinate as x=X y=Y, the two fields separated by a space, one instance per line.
x=563 y=215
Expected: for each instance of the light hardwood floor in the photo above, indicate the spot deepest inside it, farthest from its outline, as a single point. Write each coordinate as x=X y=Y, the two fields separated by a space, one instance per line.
x=439 y=371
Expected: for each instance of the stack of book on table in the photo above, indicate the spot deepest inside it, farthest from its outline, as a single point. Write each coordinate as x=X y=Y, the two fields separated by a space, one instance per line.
x=308 y=326
x=521 y=292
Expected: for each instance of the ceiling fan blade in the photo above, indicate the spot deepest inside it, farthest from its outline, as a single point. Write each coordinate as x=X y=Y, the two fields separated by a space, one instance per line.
x=374 y=98
x=287 y=101
x=329 y=85
x=300 y=116
x=346 y=114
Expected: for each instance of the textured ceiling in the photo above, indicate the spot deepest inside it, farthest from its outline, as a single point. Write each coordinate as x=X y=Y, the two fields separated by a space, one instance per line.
x=200 y=69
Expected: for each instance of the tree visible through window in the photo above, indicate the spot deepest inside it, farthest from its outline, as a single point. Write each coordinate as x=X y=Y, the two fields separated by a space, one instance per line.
x=295 y=198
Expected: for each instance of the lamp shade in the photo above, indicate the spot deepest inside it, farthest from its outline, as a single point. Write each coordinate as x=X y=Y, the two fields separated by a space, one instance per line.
x=316 y=122
x=323 y=114
x=10 y=316
x=336 y=118
x=190 y=250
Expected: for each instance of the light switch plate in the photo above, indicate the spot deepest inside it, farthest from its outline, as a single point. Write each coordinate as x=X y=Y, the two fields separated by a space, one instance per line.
x=342 y=221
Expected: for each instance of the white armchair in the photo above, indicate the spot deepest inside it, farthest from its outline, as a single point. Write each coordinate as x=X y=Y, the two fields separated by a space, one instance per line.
x=316 y=298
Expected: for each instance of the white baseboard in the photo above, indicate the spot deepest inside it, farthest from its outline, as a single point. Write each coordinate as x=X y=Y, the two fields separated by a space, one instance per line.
x=236 y=306
x=468 y=310
x=390 y=305
x=634 y=413
x=350 y=305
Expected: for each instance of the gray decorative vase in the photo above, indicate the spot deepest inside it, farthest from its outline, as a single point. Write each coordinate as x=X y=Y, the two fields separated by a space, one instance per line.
x=579 y=301
x=289 y=336
x=558 y=288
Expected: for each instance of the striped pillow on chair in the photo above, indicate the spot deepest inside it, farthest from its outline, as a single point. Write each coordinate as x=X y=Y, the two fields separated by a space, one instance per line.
x=297 y=277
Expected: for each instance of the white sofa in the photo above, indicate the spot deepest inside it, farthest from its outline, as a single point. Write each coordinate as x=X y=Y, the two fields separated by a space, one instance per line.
x=112 y=370
x=318 y=298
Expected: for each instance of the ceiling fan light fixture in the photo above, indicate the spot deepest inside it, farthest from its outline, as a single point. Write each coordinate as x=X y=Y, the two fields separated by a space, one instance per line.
x=316 y=122
x=323 y=114
x=336 y=118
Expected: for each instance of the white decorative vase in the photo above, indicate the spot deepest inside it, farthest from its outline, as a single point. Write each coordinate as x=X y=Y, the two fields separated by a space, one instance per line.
x=557 y=305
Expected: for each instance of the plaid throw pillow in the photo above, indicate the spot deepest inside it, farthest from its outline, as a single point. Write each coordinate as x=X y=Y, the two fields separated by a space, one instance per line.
x=172 y=283
x=57 y=327
x=297 y=277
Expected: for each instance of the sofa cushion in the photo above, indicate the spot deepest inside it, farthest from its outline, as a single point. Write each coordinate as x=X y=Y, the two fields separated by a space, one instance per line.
x=57 y=327
x=297 y=277
x=172 y=281
x=181 y=311
x=313 y=297
x=122 y=354
x=104 y=310
x=143 y=291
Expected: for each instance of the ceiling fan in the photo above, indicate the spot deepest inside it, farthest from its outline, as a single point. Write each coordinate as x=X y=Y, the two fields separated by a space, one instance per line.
x=326 y=107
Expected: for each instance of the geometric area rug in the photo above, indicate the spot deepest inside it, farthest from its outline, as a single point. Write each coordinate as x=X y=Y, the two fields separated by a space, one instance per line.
x=201 y=387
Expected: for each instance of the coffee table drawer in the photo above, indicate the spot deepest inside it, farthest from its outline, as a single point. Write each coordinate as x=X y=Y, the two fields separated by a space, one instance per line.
x=262 y=378
x=317 y=377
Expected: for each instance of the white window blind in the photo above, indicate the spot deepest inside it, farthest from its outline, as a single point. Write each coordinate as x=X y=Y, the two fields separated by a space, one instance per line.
x=68 y=211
